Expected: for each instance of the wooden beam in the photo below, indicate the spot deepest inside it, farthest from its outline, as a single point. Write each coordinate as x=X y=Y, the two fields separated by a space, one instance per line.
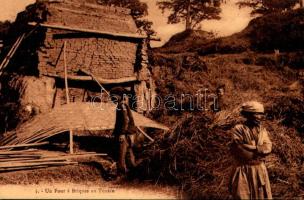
x=100 y=80
x=57 y=26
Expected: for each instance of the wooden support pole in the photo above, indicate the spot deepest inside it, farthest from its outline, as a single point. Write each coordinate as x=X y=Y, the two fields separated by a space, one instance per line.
x=145 y=134
x=67 y=94
x=66 y=74
x=71 y=142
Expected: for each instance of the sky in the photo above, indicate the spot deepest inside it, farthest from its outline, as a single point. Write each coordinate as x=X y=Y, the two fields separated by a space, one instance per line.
x=232 y=20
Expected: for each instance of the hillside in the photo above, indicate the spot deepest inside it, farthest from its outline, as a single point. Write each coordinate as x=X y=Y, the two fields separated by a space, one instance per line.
x=196 y=153
x=273 y=31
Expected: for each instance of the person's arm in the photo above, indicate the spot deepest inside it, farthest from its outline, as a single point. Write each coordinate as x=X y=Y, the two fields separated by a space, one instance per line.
x=242 y=153
x=266 y=146
x=249 y=147
x=239 y=149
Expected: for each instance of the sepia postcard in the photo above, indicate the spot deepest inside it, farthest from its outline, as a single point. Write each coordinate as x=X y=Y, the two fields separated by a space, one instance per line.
x=151 y=99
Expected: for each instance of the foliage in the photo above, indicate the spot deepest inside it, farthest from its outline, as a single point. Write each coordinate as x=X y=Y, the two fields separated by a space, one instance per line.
x=191 y=11
x=268 y=6
x=4 y=27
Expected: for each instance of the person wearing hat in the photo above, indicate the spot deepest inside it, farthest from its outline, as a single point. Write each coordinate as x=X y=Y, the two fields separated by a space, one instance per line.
x=250 y=145
x=124 y=130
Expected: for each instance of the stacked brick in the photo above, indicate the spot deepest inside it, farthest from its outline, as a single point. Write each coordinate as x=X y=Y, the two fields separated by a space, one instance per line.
x=106 y=58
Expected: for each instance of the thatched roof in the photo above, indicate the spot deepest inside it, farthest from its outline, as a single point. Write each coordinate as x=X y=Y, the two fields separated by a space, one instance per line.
x=80 y=15
x=73 y=116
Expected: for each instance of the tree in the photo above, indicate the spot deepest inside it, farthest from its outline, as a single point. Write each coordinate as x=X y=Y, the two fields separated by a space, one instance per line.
x=268 y=6
x=191 y=11
x=138 y=11
x=4 y=28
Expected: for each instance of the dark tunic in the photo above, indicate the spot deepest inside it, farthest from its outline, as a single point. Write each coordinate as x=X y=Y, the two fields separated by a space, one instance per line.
x=124 y=123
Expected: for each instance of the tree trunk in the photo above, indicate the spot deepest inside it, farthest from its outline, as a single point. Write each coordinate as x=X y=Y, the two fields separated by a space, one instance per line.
x=188 y=18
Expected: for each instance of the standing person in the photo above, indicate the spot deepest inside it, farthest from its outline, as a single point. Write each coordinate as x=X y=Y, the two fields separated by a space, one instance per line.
x=219 y=102
x=250 y=145
x=124 y=131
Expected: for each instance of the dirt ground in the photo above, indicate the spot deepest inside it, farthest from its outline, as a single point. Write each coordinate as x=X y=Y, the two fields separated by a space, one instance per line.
x=81 y=181
x=79 y=191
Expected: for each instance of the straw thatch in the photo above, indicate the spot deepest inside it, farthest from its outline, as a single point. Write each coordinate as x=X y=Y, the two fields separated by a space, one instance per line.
x=73 y=116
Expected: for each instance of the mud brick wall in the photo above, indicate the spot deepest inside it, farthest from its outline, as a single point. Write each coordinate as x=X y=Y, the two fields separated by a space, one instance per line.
x=75 y=94
x=104 y=57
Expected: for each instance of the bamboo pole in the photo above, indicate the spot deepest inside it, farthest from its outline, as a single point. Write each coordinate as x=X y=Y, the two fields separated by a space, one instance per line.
x=63 y=157
x=54 y=26
x=95 y=79
x=145 y=134
x=22 y=168
x=11 y=53
x=14 y=152
x=66 y=74
x=2 y=165
x=22 y=155
x=67 y=93
x=71 y=142
x=13 y=159
x=23 y=145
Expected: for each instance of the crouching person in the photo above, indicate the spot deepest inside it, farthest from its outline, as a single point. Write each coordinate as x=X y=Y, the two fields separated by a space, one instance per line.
x=124 y=132
x=250 y=145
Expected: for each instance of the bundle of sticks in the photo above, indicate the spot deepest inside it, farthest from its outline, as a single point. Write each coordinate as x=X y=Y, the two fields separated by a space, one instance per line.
x=37 y=136
x=11 y=160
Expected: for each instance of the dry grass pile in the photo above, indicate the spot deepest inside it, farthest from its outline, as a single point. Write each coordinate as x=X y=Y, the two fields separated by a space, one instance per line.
x=195 y=154
x=197 y=158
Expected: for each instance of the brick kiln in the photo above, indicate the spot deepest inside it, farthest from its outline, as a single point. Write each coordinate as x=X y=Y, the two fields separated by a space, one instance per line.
x=91 y=39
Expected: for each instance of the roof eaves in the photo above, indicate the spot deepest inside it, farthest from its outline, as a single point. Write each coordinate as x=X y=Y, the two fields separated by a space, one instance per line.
x=125 y=35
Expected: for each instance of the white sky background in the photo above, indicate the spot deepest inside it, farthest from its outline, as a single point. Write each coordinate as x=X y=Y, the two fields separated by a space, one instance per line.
x=232 y=18
x=10 y=8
